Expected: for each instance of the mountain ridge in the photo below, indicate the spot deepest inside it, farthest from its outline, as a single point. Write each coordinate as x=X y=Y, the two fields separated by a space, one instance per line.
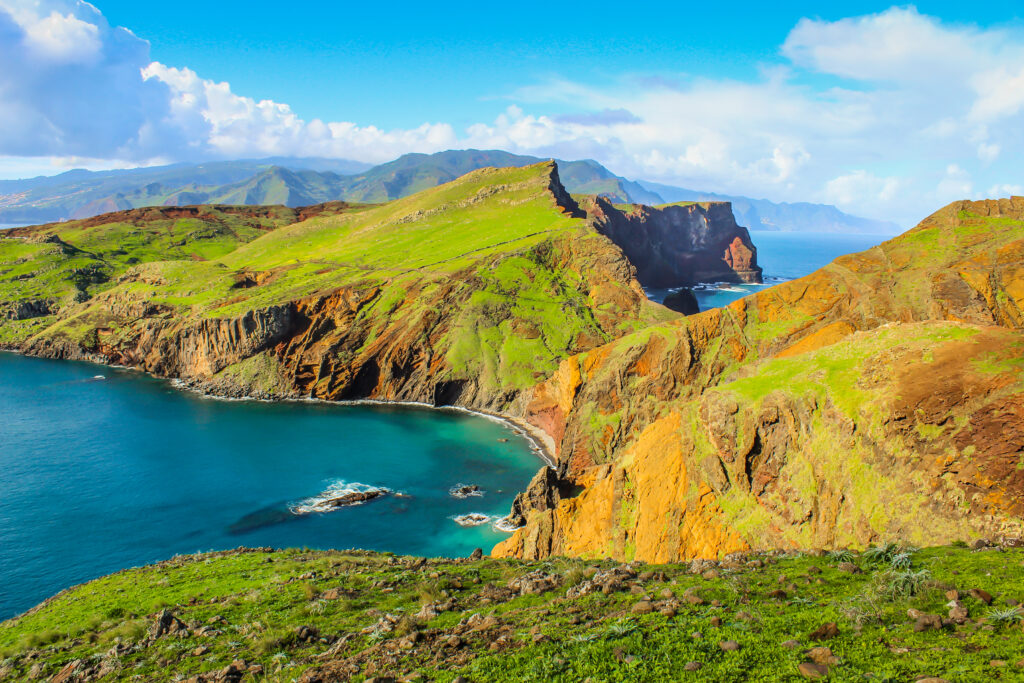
x=80 y=194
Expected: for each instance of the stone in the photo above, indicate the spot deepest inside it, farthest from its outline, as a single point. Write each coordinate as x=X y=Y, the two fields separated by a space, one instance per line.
x=928 y=622
x=729 y=646
x=716 y=621
x=477 y=554
x=982 y=595
x=849 y=568
x=825 y=631
x=778 y=595
x=952 y=595
x=167 y=624
x=692 y=666
x=791 y=644
x=642 y=607
x=812 y=670
x=822 y=655
x=958 y=615
x=67 y=673
x=667 y=594
x=979 y=544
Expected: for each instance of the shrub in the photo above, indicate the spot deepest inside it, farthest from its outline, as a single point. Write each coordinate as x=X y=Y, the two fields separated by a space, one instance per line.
x=1005 y=616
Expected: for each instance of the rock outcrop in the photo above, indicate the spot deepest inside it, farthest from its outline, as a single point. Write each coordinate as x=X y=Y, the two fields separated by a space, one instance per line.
x=680 y=244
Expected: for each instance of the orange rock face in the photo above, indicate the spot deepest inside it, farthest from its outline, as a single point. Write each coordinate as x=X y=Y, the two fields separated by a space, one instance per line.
x=874 y=399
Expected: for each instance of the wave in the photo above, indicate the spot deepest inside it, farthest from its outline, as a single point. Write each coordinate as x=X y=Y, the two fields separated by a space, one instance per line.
x=339 y=494
x=472 y=519
x=503 y=524
x=497 y=522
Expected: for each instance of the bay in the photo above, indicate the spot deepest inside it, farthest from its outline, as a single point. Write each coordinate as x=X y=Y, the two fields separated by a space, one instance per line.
x=102 y=469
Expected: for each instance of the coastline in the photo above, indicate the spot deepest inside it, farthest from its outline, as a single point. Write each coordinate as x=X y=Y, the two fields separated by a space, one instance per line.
x=540 y=441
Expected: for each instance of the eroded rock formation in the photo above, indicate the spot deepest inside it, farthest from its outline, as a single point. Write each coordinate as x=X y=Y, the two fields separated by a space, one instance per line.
x=680 y=244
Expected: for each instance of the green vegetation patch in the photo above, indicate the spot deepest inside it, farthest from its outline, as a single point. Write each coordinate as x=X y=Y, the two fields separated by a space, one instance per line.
x=884 y=614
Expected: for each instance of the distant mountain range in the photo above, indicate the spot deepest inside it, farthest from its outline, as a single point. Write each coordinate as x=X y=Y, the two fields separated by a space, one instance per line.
x=302 y=181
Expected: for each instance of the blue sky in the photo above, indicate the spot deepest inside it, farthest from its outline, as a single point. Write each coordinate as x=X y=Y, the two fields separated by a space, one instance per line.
x=887 y=111
x=400 y=64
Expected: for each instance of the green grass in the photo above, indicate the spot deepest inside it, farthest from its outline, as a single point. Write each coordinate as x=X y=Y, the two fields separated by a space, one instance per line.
x=263 y=598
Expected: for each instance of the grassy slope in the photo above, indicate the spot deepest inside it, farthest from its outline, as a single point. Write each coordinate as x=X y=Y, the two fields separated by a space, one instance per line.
x=265 y=597
x=67 y=262
x=429 y=233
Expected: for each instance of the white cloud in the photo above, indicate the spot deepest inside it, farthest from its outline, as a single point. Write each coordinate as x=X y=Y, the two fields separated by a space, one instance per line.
x=63 y=38
x=913 y=112
x=997 y=191
x=861 y=187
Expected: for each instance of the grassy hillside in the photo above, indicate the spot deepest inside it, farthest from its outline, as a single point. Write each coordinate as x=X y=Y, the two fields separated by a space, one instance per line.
x=482 y=285
x=889 y=614
x=54 y=267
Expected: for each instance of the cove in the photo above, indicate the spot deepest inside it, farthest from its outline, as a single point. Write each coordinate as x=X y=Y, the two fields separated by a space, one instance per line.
x=97 y=475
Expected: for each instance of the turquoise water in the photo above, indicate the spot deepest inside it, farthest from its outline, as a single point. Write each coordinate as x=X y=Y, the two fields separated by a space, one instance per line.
x=101 y=474
x=783 y=256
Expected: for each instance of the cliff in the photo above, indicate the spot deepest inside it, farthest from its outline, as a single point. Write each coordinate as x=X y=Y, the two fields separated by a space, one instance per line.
x=878 y=398
x=679 y=244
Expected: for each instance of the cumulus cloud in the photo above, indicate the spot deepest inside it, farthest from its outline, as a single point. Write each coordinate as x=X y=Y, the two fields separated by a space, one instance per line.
x=905 y=111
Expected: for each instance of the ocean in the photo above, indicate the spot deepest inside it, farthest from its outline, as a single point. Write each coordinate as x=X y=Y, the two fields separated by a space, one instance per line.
x=101 y=474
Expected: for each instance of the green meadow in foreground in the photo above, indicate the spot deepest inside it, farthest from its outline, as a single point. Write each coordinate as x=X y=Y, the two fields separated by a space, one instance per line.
x=886 y=614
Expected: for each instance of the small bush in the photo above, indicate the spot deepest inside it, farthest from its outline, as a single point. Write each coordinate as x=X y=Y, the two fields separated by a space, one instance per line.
x=844 y=555
x=1007 y=616
x=276 y=641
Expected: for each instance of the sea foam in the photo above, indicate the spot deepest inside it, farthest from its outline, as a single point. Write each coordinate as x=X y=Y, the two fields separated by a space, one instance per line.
x=326 y=501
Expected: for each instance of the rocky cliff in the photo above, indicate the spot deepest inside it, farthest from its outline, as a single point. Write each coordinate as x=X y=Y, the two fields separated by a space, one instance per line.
x=679 y=244
x=878 y=398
